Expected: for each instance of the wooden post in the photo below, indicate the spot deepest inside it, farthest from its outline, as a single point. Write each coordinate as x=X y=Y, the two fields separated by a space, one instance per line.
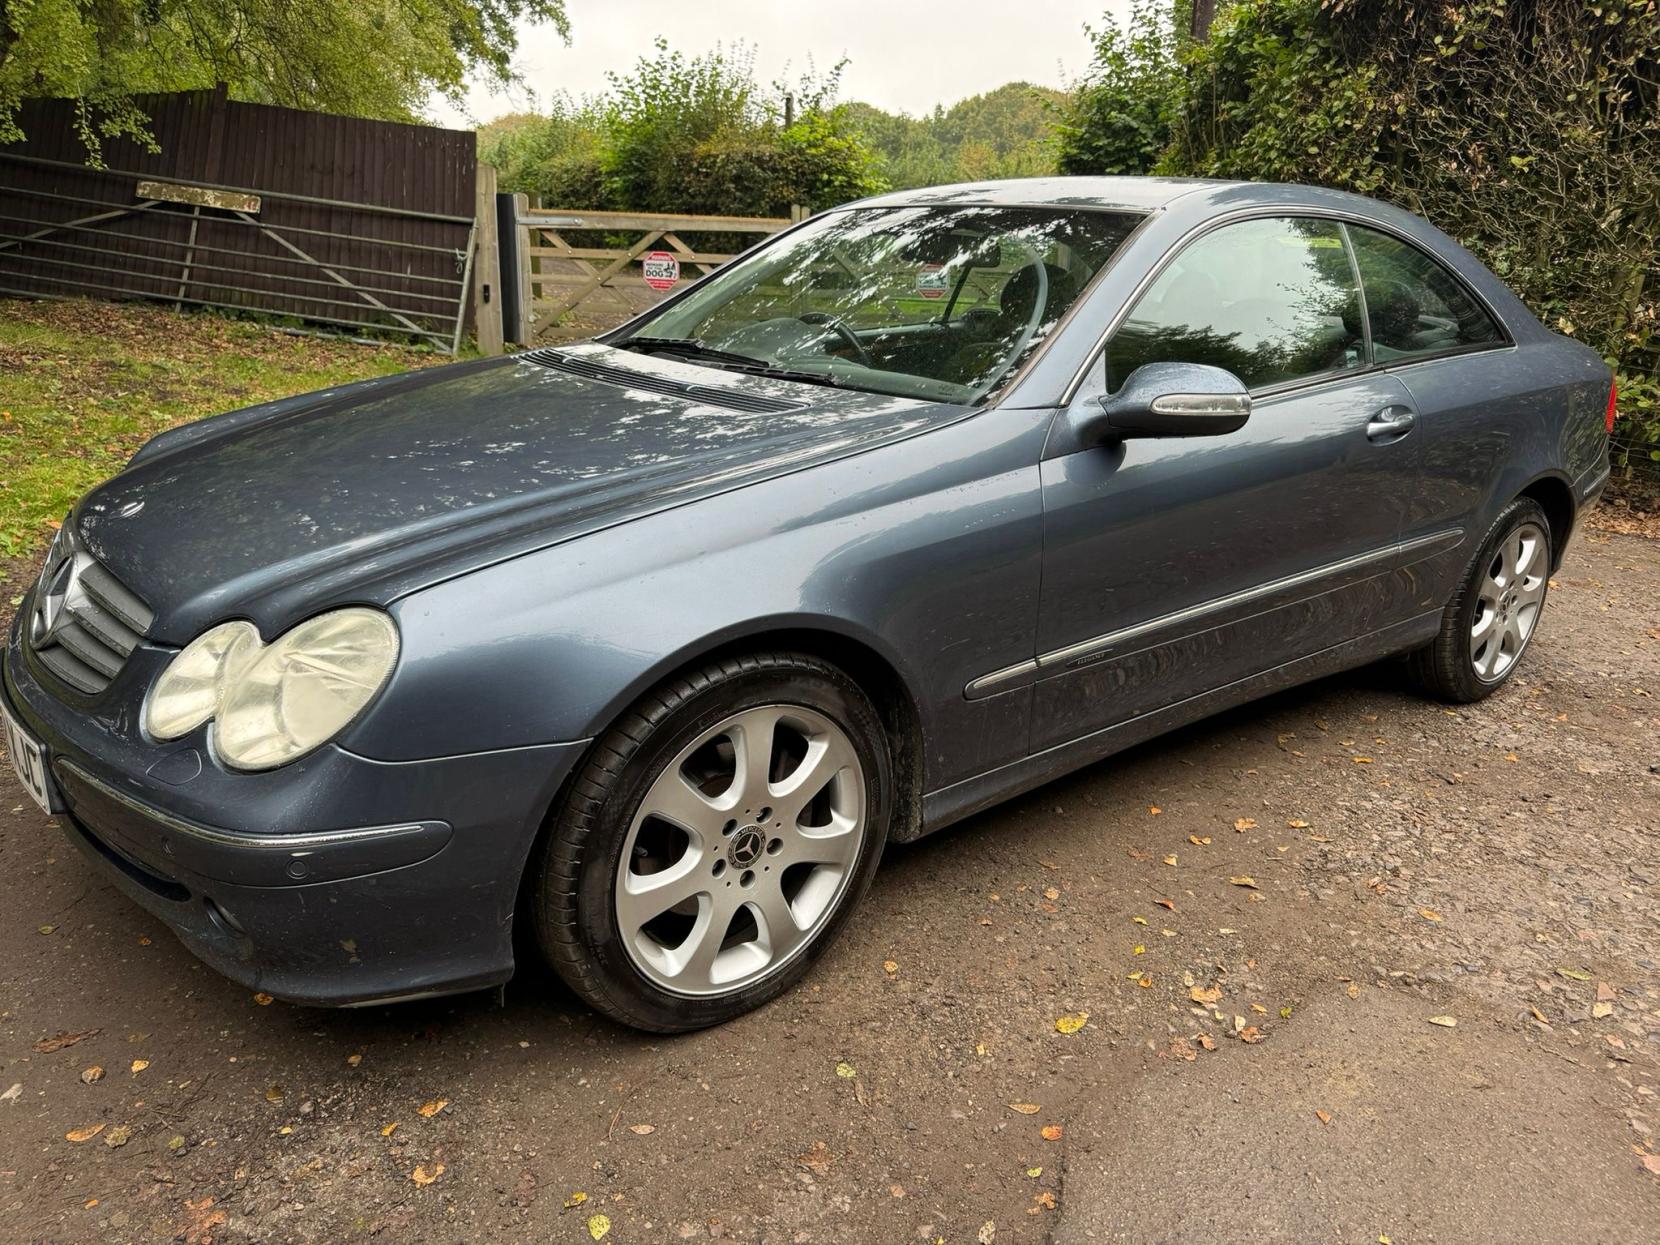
x=486 y=265
x=525 y=333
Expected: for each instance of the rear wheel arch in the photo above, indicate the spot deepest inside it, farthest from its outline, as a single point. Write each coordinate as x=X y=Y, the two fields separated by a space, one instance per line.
x=1556 y=498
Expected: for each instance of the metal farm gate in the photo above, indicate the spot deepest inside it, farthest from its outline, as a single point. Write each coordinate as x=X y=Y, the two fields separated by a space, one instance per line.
x=360 y=225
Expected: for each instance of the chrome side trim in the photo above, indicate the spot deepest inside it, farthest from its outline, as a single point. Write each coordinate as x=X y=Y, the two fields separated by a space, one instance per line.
x=1085 y=652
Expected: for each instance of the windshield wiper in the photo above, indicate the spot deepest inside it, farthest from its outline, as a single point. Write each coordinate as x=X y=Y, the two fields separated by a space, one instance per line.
x=731 y=361
x=690 y=347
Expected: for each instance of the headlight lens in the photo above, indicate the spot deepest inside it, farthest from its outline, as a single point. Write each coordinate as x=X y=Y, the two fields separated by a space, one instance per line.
x=303 y=689
x=189 y=690
x=274 y=703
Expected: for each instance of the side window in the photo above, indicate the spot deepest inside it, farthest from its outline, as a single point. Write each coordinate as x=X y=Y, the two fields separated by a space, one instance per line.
x=1415 y=306
x=1270 y=300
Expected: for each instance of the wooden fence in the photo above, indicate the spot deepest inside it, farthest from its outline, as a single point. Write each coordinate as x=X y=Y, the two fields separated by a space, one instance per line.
x=352 y=224
x=580 y=271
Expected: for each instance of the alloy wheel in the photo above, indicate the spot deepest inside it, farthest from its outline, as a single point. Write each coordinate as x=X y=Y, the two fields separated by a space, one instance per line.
x=1507 y=608
x=740 y=849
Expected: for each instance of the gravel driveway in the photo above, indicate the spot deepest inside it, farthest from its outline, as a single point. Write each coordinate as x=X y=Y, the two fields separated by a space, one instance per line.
x=1356 y=967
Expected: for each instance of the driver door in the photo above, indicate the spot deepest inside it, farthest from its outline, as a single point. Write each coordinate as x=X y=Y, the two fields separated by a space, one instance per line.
x=1176 y=566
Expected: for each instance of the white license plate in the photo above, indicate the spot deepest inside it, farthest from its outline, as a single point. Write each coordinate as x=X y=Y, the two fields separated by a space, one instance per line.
x=28 y=760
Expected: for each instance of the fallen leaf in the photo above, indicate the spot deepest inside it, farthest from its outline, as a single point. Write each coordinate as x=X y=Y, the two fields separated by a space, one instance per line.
x=63 y=1040
x=14 y=1093
x=1323 y=1116
x=1205 y=1040
x=430 y=1109
x=1025 y=1108
x=1045 y=1201
x=1199 y=840
x=1259 y=1009
x=46 y=929
x=1034 y=1172
x=1446 y=1022
x=92 y=1075
x=83 y=1134
x=576 y=1199
x=1250 y=1035
x=1049 y=1132
x=642 y=1130
x=1170 y=859
x=1651 y=1164
x=353 y=1060
x=1049 y=892
x=1165 y=903
x=1601 y=1011
x=118 y=1136
x=1245 y=823
x=818 y=1159
x=1139 y=920
x=987 y=1233
x=1072 y=1022
x=1605 y=992
x=846 y=1070
x=1138 y=950
x=175 y=1143
x=1244 y=881
x=1297 y=823
x=389 y=1129
x=263 y=999
x=423 y=1176
x=1353 y=991
x=598 y=1226
x=1154 y=809
x=890 y=967
x=139 y=1065
x=1361 y=760
x=1209 y=996
x=274 y=1094
x=1574 y=974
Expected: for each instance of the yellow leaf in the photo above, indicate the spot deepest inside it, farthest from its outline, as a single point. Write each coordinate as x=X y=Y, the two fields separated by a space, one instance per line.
x=1034 y=1172
x=424 y=1176
x=1446 y=1022
x=47 y=929
x=353 y=1060
x=576 y=1199
x=1072 y=1022
x=1324 y=1116
x=1198 y=840
x=1430 y=914
x=1139 y=950
x=1244 y=881
x=846 y=1070
x=1051 y=1132
x=1361 y=760
x=890 y=967
x=1170 y=859
x=1208 y=996
x=430 y=1109
x=389 y=1129
x=1154 y=809
x=598 y=1226
x=1245 y=823
x=83 y=1134
x=1139 y=920
x=1049 y=892
x=92 y=1075
x=1297 y=823
x=263 y=999
x=140 y=1064
x=1025 y=1108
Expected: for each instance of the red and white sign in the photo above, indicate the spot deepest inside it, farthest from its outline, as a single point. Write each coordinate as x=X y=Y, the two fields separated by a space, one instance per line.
x=931 y=281
x=661 y=270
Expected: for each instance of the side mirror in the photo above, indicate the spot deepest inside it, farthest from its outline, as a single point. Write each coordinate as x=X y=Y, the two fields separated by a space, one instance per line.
x=1174 y=400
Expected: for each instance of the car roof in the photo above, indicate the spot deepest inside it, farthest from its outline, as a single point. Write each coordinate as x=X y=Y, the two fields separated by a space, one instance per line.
x=1132 y=194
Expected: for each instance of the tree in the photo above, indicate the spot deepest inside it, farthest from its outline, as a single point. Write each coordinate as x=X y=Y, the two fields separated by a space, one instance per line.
x=1120 y=116
x=366 y=58
x=1006 y=132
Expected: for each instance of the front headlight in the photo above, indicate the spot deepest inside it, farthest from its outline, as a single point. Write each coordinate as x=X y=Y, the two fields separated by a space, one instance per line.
x=272 y=704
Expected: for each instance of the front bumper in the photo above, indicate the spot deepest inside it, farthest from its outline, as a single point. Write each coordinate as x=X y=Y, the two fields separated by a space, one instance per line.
x=335 y=880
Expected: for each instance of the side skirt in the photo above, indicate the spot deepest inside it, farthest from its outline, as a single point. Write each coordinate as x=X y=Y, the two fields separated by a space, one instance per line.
x=951 y=804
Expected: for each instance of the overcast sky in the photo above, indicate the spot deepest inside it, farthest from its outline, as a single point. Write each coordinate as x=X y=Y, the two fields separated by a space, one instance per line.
x=904 y=55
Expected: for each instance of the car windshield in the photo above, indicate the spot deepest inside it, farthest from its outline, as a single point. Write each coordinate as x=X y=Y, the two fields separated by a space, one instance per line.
x=940 y=303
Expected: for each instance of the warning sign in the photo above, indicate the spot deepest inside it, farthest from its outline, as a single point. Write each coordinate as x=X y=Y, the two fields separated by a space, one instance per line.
x=931 y=282
x=661 y=270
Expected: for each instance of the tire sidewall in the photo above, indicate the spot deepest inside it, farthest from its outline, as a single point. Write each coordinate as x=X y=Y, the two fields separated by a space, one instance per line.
x=820 y=689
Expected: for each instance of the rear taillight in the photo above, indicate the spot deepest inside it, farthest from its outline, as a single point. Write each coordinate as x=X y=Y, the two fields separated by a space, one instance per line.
x=1613 y=397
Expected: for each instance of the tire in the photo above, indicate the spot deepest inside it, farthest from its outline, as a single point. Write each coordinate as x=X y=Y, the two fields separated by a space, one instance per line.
x=654 y=813
x=1461 y=666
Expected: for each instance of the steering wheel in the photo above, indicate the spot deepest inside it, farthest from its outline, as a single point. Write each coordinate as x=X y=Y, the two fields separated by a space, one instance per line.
x=838 y=326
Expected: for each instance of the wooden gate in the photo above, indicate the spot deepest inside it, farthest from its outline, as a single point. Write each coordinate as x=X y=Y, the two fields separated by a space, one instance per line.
x=583 y=272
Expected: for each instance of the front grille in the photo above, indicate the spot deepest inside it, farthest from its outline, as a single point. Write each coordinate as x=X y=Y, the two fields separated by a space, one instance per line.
x=711 y=395
x=83 y=622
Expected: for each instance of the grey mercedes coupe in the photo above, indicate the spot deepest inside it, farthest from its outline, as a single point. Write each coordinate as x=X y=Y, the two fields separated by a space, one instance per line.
x=647 y=646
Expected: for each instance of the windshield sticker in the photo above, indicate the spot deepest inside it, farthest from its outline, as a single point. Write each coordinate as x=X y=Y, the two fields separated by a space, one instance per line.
x=931 y=281
x=661 y=270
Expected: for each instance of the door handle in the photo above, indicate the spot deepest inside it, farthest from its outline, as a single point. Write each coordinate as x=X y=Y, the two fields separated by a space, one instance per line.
x=1390 y=424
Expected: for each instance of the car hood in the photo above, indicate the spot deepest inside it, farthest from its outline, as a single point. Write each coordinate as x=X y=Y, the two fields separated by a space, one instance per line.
x=368 y=492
